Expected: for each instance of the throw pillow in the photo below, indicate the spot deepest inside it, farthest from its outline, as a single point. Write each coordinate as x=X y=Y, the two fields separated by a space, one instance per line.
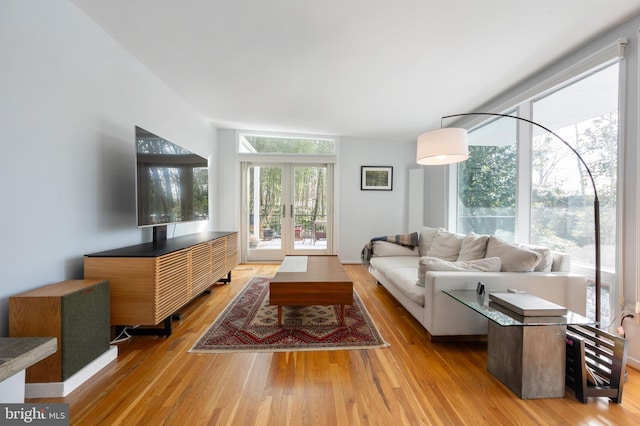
x=385 y=248
x=546 y=257
x=426 y=239
x=446 y=246
x=473 y=247
x=514 y=258
x=488 y=264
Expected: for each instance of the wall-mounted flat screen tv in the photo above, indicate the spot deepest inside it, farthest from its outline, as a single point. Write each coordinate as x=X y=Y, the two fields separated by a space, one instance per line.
x=171 y=182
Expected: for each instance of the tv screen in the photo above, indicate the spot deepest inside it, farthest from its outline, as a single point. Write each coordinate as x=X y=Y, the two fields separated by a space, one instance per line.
x=171 y=182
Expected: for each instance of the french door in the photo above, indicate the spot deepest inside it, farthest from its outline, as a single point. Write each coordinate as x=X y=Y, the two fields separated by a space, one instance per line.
x=286 y=210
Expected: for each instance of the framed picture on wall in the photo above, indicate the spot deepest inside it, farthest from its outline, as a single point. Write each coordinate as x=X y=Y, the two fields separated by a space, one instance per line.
x=376 y=178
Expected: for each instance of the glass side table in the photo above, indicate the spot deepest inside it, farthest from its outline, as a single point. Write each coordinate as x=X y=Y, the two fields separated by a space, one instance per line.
x=526 y=353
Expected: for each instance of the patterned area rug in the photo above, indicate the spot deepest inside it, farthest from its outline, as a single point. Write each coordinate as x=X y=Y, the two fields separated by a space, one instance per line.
x=250 y=324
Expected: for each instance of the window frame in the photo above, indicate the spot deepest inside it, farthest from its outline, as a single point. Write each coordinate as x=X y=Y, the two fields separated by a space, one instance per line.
x=285 y=157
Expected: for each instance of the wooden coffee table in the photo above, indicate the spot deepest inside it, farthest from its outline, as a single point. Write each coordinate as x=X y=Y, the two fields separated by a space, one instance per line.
x=309 y=281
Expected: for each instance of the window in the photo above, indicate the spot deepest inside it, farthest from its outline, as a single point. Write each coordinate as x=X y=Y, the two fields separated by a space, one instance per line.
x=266 y=144
x=487 y=181
x=520 y=173
x=585 y=114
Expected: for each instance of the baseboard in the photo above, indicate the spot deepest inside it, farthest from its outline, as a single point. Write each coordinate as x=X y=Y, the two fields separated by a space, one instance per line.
x=62 y=389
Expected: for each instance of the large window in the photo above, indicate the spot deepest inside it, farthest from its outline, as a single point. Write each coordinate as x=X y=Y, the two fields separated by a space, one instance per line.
x=585 y=114
x=519 y=172
x=277 y=144
x=487 y=181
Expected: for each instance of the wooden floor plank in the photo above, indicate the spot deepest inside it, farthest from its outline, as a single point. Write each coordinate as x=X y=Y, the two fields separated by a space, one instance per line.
x=157 y=381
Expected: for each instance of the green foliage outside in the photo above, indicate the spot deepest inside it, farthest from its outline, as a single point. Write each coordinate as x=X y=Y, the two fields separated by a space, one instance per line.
x=310 y=199
x=377 y=178
x=561 y=211
x=487 y=194
x=268 y=145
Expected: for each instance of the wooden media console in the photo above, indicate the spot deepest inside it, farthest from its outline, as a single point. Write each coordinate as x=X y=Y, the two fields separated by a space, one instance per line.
x=150 y=282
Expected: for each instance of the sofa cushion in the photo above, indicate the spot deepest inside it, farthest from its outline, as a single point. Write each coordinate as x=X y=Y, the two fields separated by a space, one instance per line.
x=384 y=264
x=473 y=247
x=385 y=248
x=426 y=239
x=446 y=245
x=514 y=258
x=406 y=280
x=561 y=262
x=546 y=257
x=488 y=264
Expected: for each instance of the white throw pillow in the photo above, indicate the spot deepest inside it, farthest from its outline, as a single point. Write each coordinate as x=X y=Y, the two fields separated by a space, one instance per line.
x=488 y=264
x=514 y=258
x=473 y=247
x=446 y=245
x=385 y=248
x=546 y=257
x=426 y=239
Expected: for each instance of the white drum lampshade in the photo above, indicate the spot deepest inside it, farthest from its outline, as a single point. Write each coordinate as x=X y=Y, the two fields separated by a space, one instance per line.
x=442 y=146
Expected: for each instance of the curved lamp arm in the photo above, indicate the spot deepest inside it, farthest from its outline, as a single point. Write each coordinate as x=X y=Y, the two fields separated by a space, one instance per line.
x=596 y=202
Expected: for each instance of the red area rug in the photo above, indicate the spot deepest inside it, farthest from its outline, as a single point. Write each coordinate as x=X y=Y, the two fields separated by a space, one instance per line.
x=250 y=324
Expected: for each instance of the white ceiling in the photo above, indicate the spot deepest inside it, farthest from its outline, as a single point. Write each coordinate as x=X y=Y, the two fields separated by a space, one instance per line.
x=385 y=69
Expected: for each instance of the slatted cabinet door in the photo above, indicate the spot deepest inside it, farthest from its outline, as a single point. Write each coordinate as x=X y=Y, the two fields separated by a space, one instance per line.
x=231 y=252
x=218 y=260
x=172 y=283
x=200 y=269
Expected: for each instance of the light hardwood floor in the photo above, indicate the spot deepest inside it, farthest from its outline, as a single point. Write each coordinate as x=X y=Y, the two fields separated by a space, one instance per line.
x=414 y=382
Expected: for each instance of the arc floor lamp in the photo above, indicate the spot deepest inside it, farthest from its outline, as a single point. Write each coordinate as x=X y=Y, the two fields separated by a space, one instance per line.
x=450 y=145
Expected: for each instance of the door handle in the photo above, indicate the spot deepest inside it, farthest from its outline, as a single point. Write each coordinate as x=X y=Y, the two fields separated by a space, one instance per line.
x=291 y=210
x=284 y=210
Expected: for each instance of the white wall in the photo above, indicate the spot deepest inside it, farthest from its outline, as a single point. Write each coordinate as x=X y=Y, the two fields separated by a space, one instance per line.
x=69 y=99
x=436 y=196
x=366 y=214
x=228 y=202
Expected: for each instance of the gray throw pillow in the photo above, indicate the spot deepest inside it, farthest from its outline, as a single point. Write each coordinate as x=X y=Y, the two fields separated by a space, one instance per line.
x=385 y=248
x=426 y=239
x=514 y=257
x=546 y=257
x=446 y=246
x=473 y=247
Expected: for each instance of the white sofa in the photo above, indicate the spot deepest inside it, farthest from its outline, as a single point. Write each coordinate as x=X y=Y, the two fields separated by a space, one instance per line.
x=416 y=276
